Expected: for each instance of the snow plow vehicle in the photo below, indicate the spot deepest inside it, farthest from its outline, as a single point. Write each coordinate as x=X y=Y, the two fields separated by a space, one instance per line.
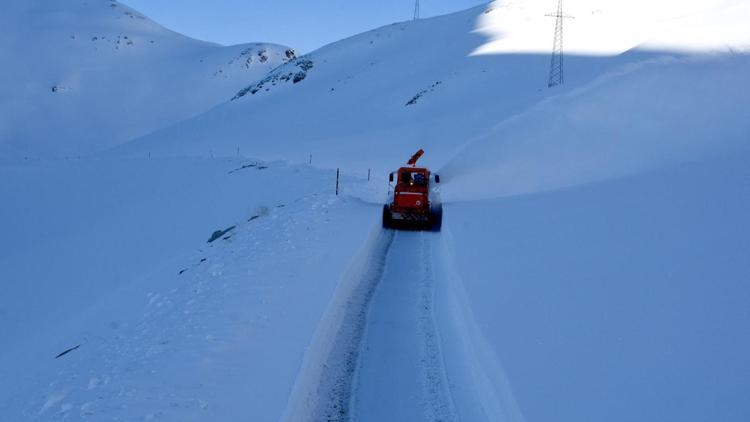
x=412 y=203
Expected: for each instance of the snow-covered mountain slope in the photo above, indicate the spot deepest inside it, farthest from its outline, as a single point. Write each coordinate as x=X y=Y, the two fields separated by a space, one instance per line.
x=436 y=83
x=592 y=262
x=82 y=76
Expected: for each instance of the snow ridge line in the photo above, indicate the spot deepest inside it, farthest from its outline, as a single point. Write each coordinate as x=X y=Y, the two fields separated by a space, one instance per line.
x=322 y=391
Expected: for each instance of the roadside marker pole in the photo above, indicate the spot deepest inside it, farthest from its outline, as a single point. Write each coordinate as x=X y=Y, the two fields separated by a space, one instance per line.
x=368 y=175
x=337 y=182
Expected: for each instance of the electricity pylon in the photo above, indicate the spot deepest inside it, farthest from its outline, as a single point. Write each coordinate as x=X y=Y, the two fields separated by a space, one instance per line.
x=556 y=75
x=416 y=9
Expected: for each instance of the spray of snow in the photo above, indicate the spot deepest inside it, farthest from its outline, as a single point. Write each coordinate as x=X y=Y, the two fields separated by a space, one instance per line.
x=637 y=119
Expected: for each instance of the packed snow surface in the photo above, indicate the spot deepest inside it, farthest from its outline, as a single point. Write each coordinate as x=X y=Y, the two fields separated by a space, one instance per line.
x=592 y=266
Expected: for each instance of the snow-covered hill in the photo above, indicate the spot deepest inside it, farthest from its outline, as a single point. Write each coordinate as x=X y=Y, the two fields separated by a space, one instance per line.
x=593 y=262
x=438 y=83
x=82 y=76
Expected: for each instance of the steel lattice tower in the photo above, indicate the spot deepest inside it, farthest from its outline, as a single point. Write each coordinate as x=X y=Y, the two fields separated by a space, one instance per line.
x=416 y=9
x=556 y=76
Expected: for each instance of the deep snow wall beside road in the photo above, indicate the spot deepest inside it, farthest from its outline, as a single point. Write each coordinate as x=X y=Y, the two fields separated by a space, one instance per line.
x=619 y=301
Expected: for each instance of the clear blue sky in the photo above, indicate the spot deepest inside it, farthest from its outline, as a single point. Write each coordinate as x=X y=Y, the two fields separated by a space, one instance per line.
x=302 y=24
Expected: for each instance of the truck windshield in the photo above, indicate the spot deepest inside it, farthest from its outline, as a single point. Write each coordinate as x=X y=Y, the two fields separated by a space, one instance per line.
x=413 y=178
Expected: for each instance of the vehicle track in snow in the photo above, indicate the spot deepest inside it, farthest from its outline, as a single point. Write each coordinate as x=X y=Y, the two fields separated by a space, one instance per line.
x=399 y=342
x=376 y=355
x=400 y=373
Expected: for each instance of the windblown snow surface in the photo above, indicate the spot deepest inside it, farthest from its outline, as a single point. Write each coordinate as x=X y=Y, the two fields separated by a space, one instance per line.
x=593 y=263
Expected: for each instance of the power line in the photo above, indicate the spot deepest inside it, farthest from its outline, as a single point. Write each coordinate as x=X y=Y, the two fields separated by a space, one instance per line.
x=556 y=75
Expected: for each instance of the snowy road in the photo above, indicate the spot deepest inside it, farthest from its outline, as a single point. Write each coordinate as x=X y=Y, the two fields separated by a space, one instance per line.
x=400 y=375
x=399 y=343
x=377 y=354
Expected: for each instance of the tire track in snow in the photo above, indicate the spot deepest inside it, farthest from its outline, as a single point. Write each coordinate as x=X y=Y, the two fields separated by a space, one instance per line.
x=376 y=355
x=438 y=401
x=400 y=374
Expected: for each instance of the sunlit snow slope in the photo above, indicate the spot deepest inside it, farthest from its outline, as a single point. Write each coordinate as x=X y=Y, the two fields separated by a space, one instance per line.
x=81 y=76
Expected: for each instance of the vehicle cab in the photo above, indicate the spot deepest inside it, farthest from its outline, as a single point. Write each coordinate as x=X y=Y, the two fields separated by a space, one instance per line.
x=411 y=202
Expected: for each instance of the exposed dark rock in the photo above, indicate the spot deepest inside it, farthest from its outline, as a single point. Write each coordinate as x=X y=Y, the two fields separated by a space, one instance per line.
x=219 y=233
x=421 y=93
x=294 y=70
x=65 y=352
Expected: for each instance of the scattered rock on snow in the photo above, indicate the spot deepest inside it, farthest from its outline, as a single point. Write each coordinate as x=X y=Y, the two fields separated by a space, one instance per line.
x=65 y=352
x=299 y=76
x=219 y=233
x=294 y=70
x=419 y=94
x=246 y=166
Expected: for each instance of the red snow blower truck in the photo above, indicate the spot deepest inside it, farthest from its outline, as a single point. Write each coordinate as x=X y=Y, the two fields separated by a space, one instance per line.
x=412 y=203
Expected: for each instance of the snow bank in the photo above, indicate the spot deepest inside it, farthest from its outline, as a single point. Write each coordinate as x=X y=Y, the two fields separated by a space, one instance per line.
x=481 y=388
x=112 y=256
x=621 y=300
x=323 y=387
x=639 y=118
